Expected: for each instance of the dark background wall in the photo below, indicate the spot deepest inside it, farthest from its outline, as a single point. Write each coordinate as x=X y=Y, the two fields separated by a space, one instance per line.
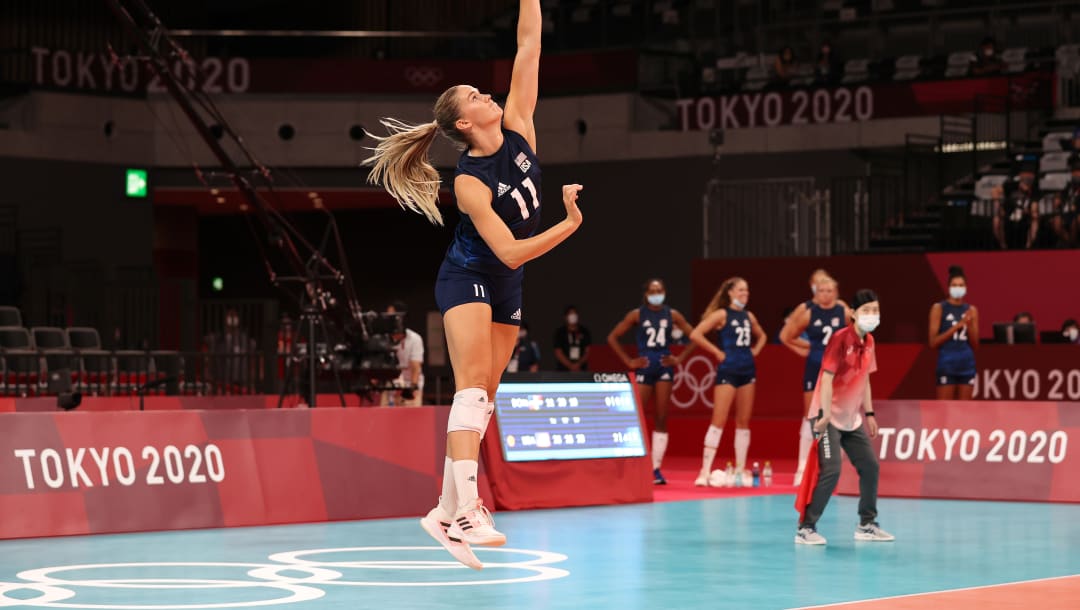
x=642 y=219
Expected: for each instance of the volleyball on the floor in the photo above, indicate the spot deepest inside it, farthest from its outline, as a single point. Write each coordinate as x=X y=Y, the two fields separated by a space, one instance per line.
x=718 y=478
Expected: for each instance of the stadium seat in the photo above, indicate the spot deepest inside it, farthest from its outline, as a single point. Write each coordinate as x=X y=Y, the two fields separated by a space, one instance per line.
x=55 y=350
x=1054 y=181
x=984 y=188
x=95 y=364
x=1052 y=142
x=856 y=71
x=1054 y=162
x=959 y=64
x=20 y=361
x=1015 y=59
x=908 y=67
x=756 y=78
x=10 y=316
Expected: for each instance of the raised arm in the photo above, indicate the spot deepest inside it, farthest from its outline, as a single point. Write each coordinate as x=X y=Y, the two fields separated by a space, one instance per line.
x=521 y=102
x=474 y=199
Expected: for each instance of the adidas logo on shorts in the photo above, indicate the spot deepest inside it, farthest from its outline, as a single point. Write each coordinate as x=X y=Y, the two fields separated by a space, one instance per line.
x=516 y=315
x=503 y=188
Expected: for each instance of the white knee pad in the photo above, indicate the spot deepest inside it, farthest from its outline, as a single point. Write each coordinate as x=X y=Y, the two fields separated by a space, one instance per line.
x=712 y=437
x=487 y=417
x=806 y=431
x=470 y=411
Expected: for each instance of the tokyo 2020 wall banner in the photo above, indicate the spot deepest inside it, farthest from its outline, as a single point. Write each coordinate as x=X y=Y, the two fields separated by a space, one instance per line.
x=976 y=450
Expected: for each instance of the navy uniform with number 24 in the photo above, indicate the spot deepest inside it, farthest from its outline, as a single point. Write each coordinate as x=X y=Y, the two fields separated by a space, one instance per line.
x=471 y=273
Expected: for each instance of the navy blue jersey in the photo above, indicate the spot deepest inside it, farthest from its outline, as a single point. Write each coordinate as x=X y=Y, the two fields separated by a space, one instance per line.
x=654 y=333
x=735 y=339
x=955 y=356
x=513 y=175
x=823 y=323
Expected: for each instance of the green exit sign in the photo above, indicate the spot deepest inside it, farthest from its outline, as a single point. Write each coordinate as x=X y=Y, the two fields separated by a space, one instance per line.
x=136 y=183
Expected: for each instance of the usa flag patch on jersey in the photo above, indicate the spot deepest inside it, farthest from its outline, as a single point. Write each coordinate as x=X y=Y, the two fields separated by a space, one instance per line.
x=522 y=161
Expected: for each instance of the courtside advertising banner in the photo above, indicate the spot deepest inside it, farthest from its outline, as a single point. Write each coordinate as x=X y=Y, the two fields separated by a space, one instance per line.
x=122 y=471
x=988 y=450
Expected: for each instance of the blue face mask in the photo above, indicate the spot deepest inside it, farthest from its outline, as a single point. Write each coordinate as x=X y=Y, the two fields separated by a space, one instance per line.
x=655 y=300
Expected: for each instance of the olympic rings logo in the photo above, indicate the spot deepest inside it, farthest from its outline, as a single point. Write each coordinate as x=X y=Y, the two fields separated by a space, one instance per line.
x=424 y=76
x=694 y=379
x=56 y=591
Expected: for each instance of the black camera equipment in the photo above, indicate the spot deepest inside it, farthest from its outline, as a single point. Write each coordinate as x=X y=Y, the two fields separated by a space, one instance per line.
x=316 y=277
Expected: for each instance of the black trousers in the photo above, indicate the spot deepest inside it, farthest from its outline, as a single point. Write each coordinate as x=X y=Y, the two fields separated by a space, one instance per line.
x=861 y=453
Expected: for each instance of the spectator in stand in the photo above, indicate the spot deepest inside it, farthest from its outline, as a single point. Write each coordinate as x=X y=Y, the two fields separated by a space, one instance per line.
x=572 y=343
x=784 y=65
x=1070 y=330
x=1016 y=215
x=987 y=60
x=1065 y=221
x=1023 y=318
x=526 y=358
x=828 y=69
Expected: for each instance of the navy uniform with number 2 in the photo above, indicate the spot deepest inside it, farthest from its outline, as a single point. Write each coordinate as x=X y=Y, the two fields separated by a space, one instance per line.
x=654 y=343
x=735 y=339
x=823 y=324
x=471 y=273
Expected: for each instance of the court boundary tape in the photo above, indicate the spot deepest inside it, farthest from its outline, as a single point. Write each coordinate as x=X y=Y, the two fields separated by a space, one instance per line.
x=925 y=593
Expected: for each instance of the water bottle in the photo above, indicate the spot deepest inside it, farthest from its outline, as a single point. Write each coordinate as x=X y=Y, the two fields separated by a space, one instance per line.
x=767 y=474
x=756 y=473
x=729 y=476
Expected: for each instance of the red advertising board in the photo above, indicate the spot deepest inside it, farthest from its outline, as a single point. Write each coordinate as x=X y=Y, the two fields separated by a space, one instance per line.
x=857 y=103
x=87 y=473
x=102 y=73
x=976 y=450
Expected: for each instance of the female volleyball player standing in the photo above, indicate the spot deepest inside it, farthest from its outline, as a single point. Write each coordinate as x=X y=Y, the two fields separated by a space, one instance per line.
x=954 y=332
x=818 y=319
x=842 y=388
x=740 y=340
x=654 y=363
x=478 y=289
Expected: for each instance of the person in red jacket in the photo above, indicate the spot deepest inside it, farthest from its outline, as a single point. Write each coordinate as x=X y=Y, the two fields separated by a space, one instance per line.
x=842 y=412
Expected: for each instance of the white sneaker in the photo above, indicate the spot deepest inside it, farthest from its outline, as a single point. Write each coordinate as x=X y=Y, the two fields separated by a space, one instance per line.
x=475 y=525
x=798 y=478
x=809 y=535
x=702 y=479
x=436 y=524
x=873 y=532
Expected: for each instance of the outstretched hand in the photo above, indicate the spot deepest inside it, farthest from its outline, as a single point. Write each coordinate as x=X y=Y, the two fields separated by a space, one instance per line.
x=569 y=196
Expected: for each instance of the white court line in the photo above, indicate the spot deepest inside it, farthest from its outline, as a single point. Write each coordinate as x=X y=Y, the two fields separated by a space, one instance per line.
x=878 y=599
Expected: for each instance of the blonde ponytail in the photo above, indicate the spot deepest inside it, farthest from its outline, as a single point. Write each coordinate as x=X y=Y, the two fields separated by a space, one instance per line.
x=721 y=300
x=400 y=164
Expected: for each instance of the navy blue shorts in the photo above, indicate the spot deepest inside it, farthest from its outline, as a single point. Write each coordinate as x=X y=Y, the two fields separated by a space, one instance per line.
x=655 y=373
x=735 y=379
x=810 y=375
x=943 y=379
x=457 y=285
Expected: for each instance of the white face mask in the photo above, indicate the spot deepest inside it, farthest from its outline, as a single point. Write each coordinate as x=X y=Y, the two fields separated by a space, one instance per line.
x=868 y=322
x=813 y=289
x=655 y=299
x=737 y=304
x=1072 y=334
x=957 y=292
x=571 y=318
